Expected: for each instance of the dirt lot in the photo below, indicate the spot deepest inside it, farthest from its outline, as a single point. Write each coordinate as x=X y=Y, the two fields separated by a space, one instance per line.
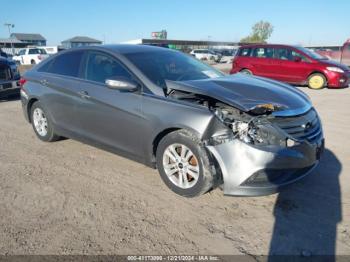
x=70 y=198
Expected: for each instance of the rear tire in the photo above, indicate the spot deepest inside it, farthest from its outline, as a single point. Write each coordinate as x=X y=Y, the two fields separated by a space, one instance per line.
x=316 y=81
x=246 y=72
x=42 y=124
x=32 y=62
x=187 y=171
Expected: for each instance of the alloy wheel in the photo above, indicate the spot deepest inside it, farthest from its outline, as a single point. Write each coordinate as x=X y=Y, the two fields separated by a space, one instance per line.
x=181 y=166
x=40 y=121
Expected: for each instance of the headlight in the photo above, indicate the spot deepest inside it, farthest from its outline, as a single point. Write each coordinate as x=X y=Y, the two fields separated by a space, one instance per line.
x=252 y=131
x=249 y=133
x=335 y=69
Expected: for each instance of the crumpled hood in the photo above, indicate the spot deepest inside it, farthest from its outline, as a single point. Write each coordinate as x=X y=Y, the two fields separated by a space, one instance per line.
x=246 y=92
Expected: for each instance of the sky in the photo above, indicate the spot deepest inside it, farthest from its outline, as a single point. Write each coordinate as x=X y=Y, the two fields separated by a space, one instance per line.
x=307 y=22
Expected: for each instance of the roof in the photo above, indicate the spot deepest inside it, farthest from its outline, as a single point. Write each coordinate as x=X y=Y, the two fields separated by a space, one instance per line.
x=26 y=37
x=185 y=42
x=267 y=45
x=129 y=49
x=122 y=49
x=82 y=39
x=9 y=40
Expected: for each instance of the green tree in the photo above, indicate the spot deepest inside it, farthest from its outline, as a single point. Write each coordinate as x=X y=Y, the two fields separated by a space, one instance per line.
x=261 y=31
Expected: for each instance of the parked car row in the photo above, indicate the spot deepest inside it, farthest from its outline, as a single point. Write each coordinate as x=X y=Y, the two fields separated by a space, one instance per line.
x=217 y=55
x=30 y=56
x=205 y=54
x=291 y=64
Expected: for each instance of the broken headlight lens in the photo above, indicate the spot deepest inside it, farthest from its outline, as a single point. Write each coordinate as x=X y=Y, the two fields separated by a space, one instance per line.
x=249 y=133
x=254 y=130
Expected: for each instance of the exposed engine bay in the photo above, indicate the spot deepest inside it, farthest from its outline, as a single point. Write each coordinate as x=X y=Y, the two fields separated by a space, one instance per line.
x=253 y=127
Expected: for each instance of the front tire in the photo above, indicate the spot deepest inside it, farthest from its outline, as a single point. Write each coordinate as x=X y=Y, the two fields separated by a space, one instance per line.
x=316 y=81
x=184 y=165
x=42 y=124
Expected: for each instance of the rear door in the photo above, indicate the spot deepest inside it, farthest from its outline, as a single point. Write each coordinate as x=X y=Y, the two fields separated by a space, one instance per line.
x=262 y=62
x=106 y=115
x=60 y=83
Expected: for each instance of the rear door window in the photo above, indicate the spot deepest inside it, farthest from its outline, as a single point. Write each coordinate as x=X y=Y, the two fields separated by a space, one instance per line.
x=33 y=51
x=245 y=52
x=263 y=52
x=100 y=67
x=37 y=51
x=22 y=52
x=67 y=64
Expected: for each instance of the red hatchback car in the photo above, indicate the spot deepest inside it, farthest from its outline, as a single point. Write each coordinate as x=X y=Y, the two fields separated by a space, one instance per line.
x=291 y=64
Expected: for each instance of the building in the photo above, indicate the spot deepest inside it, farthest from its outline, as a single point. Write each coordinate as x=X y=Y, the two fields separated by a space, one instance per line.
x=11 y=46
x=30 y=39
x=185 y=45
x=80 y=41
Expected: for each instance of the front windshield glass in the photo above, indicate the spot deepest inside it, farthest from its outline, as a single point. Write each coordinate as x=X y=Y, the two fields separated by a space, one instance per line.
x=163 y=65
x=310 y=53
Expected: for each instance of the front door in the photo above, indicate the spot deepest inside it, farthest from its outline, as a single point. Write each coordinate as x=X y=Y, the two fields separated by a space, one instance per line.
x=292 y=66
x=109 y=116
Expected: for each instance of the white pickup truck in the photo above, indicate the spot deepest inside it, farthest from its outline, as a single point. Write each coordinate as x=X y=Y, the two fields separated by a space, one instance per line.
x=30 y=56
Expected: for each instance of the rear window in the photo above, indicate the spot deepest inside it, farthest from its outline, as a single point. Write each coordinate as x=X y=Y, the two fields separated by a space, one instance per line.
x=37 y=51
x=67 y=64
x=245 y=52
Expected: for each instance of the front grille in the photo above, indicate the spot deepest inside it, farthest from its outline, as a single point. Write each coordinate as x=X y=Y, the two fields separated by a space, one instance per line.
x=302 y=127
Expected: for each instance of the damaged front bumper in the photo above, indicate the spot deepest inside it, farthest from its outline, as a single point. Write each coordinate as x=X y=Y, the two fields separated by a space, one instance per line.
x=248 y=170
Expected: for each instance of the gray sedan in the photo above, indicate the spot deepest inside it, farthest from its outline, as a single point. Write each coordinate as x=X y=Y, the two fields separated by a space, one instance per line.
x=200 y=128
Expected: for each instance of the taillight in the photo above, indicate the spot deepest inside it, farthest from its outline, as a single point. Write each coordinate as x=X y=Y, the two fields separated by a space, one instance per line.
x=40 y=57
x=22 y=81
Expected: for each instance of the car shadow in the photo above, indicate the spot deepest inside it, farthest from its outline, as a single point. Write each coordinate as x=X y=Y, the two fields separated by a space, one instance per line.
x=10 y=98
x=307 y=214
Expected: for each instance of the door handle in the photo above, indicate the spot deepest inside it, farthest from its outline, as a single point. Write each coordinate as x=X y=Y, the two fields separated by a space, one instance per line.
x=84 y=94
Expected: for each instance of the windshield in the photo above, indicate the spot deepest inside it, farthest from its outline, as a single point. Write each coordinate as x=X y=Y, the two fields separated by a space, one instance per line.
x=163 y=65
x=310 y=53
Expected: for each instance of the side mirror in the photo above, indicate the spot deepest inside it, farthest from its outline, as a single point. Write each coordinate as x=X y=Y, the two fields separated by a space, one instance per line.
x=297 y=59
x=122 y=84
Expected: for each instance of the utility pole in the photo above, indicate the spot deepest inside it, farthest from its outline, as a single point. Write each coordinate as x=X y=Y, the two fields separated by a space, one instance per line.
x=209 y=41
x=9 y=26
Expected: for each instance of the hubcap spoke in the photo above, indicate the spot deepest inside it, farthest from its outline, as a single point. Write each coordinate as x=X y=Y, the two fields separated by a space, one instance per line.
x=193 y=173
x=173 y=151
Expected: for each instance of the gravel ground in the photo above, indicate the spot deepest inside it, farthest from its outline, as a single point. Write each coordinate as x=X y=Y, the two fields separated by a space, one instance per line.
x=70 y=198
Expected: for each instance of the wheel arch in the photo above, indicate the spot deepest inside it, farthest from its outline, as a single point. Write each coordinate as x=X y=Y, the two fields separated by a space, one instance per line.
x=247 y=69
x=160 y=135
x=29 y=107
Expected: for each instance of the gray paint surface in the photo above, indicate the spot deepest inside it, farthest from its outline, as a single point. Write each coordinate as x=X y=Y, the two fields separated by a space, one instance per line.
x=128 y=123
